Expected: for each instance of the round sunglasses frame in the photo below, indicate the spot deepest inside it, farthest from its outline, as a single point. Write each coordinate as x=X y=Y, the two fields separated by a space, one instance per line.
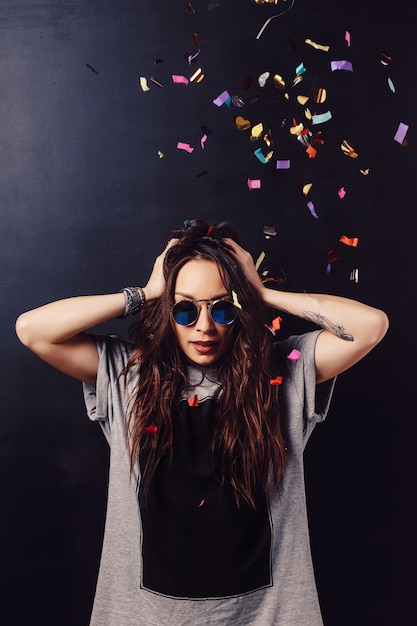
x=210 y=305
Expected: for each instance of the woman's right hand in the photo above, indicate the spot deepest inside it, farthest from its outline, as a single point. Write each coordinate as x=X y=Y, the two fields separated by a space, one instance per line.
x=155 y=286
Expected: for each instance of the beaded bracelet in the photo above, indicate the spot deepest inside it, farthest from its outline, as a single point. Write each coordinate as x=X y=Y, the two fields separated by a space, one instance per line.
x=134 y=300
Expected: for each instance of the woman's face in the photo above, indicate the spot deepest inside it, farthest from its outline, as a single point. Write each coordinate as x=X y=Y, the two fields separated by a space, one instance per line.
x=205 y=342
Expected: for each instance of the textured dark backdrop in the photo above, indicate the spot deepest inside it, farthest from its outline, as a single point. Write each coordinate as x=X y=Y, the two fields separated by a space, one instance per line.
x=86 y=201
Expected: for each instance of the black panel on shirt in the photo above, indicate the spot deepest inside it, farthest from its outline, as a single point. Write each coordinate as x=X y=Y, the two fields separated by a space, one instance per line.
x=196 y=542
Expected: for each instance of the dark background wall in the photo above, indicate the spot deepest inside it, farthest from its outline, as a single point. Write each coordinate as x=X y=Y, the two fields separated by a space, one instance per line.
x=85 y=204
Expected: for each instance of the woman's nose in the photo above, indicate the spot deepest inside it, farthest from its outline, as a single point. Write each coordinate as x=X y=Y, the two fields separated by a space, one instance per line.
x=204 y=321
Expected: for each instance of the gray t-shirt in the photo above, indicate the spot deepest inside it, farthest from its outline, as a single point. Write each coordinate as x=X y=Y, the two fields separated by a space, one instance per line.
x=142 y=549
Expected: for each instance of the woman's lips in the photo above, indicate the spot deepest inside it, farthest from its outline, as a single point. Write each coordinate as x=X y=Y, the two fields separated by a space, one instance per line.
x=204 y=347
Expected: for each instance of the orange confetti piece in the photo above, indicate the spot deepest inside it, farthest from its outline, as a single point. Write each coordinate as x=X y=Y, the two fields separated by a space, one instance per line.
x=275 y=381
x=276 y=323
x=349 y=241
x=312 y=152
x=193 y=401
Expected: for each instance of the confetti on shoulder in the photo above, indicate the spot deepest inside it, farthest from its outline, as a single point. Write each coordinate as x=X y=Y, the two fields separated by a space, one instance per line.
x=294 y=355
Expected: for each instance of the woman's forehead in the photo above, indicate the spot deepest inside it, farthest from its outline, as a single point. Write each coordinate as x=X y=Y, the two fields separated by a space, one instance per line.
x=200 y=275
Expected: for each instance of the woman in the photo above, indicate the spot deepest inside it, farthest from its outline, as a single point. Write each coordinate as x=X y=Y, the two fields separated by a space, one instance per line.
x=207 y=419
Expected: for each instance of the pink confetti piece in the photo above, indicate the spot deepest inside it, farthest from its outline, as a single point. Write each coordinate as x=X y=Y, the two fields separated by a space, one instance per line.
x=294 y=355
x=341 y=65
x=347 y=38
x=202 y=503
x=184 y=146
x=312 y=209
x=180 y=80
x=203 y=141
x=222 y=98
x=401 y=132
x=283 y=164
x=341 y=193
x=254 y=183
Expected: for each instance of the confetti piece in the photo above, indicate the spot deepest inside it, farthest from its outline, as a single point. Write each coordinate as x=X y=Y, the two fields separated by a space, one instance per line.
x=349 y=241
x=184 y=146
x=160 y=154
x=312 y=209
x=401 y=132
x=259 y=261
x=241 y=123
x=254 y=183
x=333 y=256
x=321 y=118
x=297 y=129
x=262 y=158
x=385 y=59
x=190 y=8
x=209 y=230
x=202 y=503
x=144 y=83
x=276 y=323
x=197 y=39
x=197 y=76
x=279 y=82
x=321 y=96
x=348 y=149
x=312 y=152
x=306 y=188
x=354 y=276
x=152 y=429
x=269 y=231
x=90 y=67
x=263 y=78
x=300 y=69
x=155 y=82
x=191 y=57
x=275 y=381
x=302 y=100
x=236 y=300
x=203 y=141
x=341 y=193
x=268 y=21
x=186 y=223
x=365 y=172
x=391 y=85
x=347 y=38
x=238 y=101
x=283 y=164
x=180 y=80
x=222 y=98
x=341 y=65
x=294 y=355
x=256 y=131
x=193 y=401
x=317 y=46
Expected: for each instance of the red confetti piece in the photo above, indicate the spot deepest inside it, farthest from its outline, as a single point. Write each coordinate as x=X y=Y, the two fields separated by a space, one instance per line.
x=193 y=401
x=275 y=381
x=349 y=241
x=150 y=430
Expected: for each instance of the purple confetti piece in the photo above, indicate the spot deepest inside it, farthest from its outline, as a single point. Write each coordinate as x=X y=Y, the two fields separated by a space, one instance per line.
x=341 y=65
x=224 y=96
x=283 y=165
x=312 y=209
x=401 y=132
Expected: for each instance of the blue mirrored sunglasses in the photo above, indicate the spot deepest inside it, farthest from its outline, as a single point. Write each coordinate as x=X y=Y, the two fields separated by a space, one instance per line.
x=186 y=312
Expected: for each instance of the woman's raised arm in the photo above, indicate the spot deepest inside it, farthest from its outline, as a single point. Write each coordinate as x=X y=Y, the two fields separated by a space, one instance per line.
x=351 y=329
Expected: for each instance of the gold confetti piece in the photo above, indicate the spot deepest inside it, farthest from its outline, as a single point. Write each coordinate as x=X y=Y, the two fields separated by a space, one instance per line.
x=286 y=96
x=348 y=149
x=235 y=300
x=156 y=82
x=306 y=188
x=296 y=130
x=256 y=131
x=197 y=76
x=365 y=172
x=302 y=99
x=307 y=113
x=317 y=46
x=259 y=261
x=160 y=154
x=268 y=139
x=197 y=39
x=144 y=83
x=241 y=123
x=279 y=82
x=297 y=80
x=321 y=96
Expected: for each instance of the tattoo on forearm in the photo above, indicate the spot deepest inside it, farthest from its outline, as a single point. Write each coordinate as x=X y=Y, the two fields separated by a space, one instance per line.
x=323 y=322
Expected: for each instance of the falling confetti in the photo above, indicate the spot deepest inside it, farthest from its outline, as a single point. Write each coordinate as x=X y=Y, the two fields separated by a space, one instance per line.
x=349 y=241
x=185 y=146
x=254 y=183
x=401 y=133
x=294 y=355
x=317 y=46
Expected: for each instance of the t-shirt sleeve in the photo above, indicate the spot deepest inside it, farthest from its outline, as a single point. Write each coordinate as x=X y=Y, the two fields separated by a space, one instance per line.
x=299 y=379
x=109 y=396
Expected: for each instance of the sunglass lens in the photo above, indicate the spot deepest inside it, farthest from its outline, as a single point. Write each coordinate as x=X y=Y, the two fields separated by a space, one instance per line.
x=223 y=312
x=185 y=313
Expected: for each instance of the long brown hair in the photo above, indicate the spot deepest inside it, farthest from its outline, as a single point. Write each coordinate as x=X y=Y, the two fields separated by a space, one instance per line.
x=247 y=435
